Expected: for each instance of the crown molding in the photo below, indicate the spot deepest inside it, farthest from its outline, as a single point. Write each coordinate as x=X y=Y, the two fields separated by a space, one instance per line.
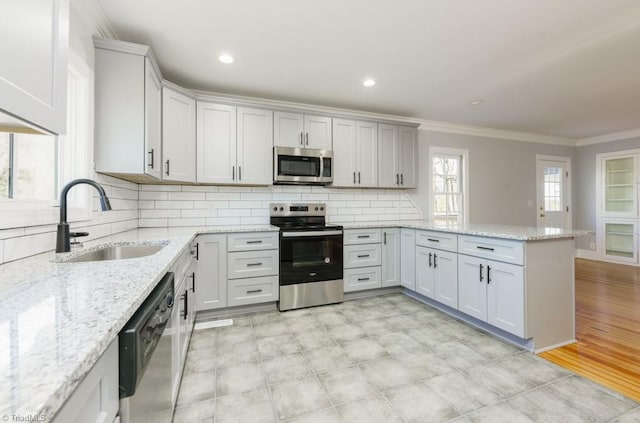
x=614 y=136
x=479 y=131
x=92 y=12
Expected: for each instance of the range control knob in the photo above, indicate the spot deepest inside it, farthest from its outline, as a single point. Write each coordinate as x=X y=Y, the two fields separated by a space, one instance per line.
x=316 y=209
x=321 y=208
x=275 y=209
x=281 y=208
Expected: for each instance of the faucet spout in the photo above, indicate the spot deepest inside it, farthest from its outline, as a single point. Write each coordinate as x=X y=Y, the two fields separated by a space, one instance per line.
x=63 y=244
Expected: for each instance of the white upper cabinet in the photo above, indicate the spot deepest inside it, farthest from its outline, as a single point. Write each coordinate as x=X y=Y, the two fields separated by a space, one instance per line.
x=397 y=155
x=234 y=145
x=216 y=145
x=254 y=147
x=178 y=136
x=33 y=69
x=301 y=131
x=355 y=151
x=127 y=90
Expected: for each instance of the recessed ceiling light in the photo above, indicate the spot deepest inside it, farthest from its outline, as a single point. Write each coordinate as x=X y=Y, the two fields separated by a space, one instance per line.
x=475 y=102
x=369 y=82
x=226 y=58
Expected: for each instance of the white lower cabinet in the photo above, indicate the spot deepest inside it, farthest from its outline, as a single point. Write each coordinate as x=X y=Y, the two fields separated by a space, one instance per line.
x=408 y=258
x=390 y=257
x=95 y=400
x=211 y=280
x=253 y=290
x=436 y=275
x=362 y=278
x=493 y=292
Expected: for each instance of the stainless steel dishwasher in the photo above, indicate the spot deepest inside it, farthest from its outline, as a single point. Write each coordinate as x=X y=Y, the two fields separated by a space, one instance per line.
x=145 y=359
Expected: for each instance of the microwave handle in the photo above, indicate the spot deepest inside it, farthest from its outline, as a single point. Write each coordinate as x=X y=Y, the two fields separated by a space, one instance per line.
x=321 y=167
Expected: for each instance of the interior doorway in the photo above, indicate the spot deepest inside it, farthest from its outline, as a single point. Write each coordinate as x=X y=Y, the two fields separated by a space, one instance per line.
x=553 y=187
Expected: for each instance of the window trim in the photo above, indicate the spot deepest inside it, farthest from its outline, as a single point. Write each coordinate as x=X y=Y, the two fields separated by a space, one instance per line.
x=464 y=154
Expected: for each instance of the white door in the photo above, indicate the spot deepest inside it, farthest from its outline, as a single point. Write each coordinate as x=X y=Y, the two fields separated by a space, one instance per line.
x=254 y=146
x=178 y=136
x=408 y=258
x=505 y=297
x=553 y=191
x=317 y=132
x=216 y=143
x=211 y=279
x=446 y=284
x=367 y=154
x=390 y=257
x=408 y=145
x=472 y=286
x=288 y=130
x=388 y=150
x=425 y=275
x=152 y=119
x=344 y=151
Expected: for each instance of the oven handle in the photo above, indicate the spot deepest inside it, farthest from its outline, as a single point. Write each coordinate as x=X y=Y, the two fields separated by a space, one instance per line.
x=301 y=234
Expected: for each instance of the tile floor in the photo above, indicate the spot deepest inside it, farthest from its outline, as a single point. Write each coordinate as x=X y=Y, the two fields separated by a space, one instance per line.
x=381 y=359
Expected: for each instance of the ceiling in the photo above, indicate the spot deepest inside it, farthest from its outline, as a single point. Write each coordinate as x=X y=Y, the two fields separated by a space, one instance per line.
x=567 y=68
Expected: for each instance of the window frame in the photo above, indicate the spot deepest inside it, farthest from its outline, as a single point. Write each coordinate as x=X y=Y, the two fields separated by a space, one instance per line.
x=435 y=151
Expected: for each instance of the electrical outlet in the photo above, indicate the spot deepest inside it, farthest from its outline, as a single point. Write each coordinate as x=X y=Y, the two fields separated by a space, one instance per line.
x=592 y=246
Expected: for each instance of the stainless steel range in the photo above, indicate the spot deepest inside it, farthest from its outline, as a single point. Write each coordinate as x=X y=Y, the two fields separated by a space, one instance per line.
x=310 y=256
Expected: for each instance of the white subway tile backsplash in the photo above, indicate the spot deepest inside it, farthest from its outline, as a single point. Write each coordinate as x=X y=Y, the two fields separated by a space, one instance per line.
x=144 y=187
x=153 y=195
x=174 y=204
x=255 y=196
x=349 y=210
x=146 y=204
x=382 y=203
x=286 y=197
x=314 y=197
x=254 y=220
x=196 y=213
x=341 y=196
x=216 y=196
x=245 y=204
x=11 y=233
x=152 y=223
x=213 y=221
x=187 y=222
x=200 y=196
x=157 y=214
x=25 y=246
x=234 y=212
x=234 y=189
x=199 y=188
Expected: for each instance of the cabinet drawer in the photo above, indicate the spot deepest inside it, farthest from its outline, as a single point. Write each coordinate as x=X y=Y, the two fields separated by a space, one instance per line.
x=439 y=240
x=362 y=255
x=253 y=290
x=250 y=264
x=362 y=278
x=252 y=241
x=493 y=249
x=362 y=236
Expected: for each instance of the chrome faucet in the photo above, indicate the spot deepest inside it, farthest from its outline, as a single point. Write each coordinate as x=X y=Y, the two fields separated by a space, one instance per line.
x=63 y=244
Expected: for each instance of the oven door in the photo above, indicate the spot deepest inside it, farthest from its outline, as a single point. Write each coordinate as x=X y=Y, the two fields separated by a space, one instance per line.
x=310 y=256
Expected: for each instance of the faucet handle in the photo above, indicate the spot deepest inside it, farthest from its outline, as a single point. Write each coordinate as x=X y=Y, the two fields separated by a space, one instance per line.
x=78 y=234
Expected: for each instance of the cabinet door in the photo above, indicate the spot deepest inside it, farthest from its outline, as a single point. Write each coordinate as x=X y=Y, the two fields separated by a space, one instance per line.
x=216 y=143
x=408 y=258
x=255 y=146
x=344 y=153
x=288 y=130
x=619 y=186
x=390 y=257
x=178 y=136
x=152 y=119
x=472 y=286
x=408 y=146
x=317 y=132
x=446 y=269
x=367 y=154
x=33 y=69
x=388 y=160
x=505 y=297
x=425 y=274
x=211 y=280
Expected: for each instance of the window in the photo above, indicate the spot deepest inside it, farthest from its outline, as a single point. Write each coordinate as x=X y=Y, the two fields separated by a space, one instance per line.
x=448 y=174
x=553 y=188
x=28 y=166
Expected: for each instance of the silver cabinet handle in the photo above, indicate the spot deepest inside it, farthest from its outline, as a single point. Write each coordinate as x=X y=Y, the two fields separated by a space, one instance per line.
x=354 y=178
x=402 y=179
x=254 y=291
x=307 y=139
x=151 y=161
x=233 y=173
x=302 y=138
x=358 y=177
x=259 y=241
x=363 y=279
x=167 y=171
x=253 y=264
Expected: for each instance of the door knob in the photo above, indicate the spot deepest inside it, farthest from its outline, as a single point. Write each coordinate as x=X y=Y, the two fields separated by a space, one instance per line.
x=541 y=214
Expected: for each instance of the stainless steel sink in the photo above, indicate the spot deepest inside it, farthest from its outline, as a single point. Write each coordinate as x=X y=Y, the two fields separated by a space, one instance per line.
x=118 y=252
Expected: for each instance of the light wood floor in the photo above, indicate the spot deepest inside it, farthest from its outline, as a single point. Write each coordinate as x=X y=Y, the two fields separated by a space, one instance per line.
x=607 y=327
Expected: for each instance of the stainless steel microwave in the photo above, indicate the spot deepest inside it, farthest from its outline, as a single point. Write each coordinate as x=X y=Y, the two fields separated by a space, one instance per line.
x=302 y=166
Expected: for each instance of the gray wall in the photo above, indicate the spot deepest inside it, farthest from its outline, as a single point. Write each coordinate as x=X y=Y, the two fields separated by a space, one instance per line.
x=585 y=184
x=503 y=175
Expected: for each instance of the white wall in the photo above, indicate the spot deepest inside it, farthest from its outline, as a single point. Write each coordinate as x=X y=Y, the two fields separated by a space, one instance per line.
x=174 y=205
x=502 y=175
x=28 y=240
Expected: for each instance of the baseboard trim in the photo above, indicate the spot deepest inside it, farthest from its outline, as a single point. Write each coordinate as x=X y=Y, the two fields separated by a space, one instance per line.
x=553 y=347
x=587 y=254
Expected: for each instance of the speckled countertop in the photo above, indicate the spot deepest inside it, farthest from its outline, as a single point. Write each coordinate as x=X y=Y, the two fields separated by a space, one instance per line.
x=520 y=233
x=57 y=318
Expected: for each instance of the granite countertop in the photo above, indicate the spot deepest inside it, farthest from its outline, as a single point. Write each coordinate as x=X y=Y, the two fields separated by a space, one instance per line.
x=519 y=233
x=58 y=318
